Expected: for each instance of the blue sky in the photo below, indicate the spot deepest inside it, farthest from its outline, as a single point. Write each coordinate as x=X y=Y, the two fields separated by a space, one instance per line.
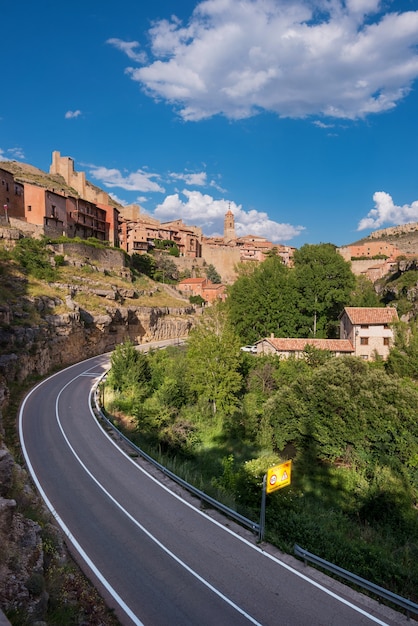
x=299 y=115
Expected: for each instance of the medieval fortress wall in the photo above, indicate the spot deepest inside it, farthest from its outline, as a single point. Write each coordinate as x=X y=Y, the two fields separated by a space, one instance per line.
x=403 y=229
x=224 y=259
x=64 y=166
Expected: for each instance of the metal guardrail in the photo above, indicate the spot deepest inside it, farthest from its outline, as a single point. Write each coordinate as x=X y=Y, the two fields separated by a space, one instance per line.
x=406 y=604
x=254 y=526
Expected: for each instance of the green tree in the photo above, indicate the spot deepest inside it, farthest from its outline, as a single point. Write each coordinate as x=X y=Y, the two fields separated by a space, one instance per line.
x=403 y=357
x=144 y=263
x=348 y=412
x=364 y=293
x=33 y=255
x=128 y=367
x=263 y=301
x=166 y=270
x=324 y=282
x=197 y=300
x=213 y=357
x=212 y=274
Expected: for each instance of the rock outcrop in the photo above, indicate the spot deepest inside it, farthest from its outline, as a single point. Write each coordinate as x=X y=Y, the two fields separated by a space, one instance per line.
x=63 y=339
x=26 y=351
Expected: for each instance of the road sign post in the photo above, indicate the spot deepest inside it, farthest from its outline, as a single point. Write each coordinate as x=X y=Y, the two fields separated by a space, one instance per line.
x=277 y=477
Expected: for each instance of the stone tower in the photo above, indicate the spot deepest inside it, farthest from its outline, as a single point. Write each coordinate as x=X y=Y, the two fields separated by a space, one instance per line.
x=229 y=227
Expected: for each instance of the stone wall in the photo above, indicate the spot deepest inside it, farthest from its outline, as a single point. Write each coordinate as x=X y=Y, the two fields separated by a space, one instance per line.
x=107 y=258
x=412 y=227
x=363 y=266
x=224 y=259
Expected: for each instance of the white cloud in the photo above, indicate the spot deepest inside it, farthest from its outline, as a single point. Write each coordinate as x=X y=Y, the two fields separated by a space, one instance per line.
x=386 y=212
x=136 y=181
x=11 y=154
x=204 y=211
x=129 y=48
x=70 y=115
x=322 y=125
x=16 y=153
x=197 y=179
x=340 y=59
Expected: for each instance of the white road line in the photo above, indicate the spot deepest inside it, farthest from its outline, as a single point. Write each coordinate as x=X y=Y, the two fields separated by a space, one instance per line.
x=99 y=575
x=238 y=537
x=140 y=526
x=65 y=528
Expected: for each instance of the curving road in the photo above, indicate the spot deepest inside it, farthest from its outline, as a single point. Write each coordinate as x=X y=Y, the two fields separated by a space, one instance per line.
x=156 y=558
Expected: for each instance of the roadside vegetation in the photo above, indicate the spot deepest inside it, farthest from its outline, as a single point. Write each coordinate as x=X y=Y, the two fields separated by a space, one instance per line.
x=220 y=417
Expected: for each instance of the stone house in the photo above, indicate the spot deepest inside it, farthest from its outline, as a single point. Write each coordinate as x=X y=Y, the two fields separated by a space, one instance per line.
x=369 y=329
x=213 y=292
x=287 y=346
x=210 y=292
x=192 y=286
x=365 y=332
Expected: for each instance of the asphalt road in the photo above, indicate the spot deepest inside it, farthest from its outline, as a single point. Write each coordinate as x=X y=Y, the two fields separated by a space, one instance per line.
x=156 y=557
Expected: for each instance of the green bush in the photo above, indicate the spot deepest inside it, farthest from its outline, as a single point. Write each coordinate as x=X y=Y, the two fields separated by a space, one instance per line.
x=34 y=257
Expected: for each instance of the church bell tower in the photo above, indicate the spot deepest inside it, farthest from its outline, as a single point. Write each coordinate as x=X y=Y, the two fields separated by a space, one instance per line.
x=229 y=226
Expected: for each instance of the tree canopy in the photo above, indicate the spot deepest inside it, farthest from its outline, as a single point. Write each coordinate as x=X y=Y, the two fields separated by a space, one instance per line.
x=213 y=357
x=303 y=301
x=324 y=283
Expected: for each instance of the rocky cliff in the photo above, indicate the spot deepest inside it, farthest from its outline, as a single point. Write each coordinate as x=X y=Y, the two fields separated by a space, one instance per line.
x=32 y=554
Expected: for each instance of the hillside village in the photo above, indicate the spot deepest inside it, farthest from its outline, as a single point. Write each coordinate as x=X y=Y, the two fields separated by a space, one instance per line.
x=63 y=203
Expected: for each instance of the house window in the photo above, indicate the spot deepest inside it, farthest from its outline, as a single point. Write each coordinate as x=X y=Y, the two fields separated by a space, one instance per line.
x=364 y=341
x=364 y=326
x=364 y=357
x=386 y=341
x=29 y=207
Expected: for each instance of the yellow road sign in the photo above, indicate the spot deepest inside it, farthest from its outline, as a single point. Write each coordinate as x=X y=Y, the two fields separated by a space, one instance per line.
x=279 y=476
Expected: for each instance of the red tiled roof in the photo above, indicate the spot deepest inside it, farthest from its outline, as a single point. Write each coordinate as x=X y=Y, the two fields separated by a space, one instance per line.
x=372 y=315
x=192 y=281
x=214 y=287
x=288 y=344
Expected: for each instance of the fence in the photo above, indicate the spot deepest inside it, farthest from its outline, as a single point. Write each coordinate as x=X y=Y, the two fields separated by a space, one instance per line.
x=408 y=605
x=204 y=497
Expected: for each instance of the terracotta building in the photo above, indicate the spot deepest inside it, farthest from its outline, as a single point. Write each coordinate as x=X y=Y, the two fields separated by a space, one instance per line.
x=45 y=208
x=203 y=287
x=11 y=197
x=138 y=232
x=365 y=332
x=287 y=346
